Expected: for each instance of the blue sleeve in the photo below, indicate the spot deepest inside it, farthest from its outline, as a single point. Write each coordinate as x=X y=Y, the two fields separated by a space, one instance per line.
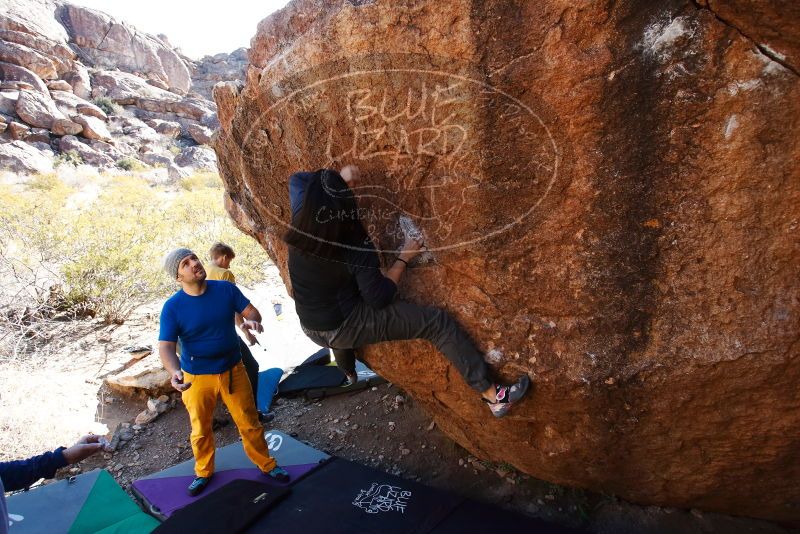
x=298 y=182
x=168 y=326
x=20 y=474
x=376 y=290
x=240 y=302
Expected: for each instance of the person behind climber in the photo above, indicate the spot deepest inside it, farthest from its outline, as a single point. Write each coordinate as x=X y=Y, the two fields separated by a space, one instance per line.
x=343 y=299
x=19 y=474
x=221 y=256
x=210 y=366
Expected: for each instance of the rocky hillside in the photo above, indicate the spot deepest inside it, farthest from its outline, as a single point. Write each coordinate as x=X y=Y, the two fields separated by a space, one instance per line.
x=611 y=195
x=76 y=85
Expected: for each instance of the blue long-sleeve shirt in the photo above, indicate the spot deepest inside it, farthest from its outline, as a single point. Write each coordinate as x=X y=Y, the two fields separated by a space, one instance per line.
x=20 y=474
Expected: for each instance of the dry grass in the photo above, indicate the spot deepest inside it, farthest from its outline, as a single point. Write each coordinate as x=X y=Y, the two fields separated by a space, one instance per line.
x=41 y=409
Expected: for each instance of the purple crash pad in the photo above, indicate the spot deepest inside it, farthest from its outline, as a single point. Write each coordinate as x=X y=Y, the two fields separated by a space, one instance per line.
x=169 y=493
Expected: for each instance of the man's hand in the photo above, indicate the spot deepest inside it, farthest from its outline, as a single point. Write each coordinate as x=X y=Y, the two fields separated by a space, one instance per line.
x=412 y=248
x=249 y=325
x=177 y=381
x=85 y=447
x=249 y=337
x=351 y=176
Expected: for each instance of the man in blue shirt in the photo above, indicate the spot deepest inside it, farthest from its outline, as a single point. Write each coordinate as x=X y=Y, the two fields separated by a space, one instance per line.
x=202 y=313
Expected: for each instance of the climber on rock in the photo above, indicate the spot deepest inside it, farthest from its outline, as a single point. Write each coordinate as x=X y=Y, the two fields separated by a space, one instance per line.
x=344 y=300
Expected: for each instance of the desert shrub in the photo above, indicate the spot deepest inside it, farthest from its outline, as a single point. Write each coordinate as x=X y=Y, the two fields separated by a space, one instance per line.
x=104 y=253
x=201 y=180
x=130 y=164
x=108 y=106
x=69 y=157
x=202 y=215
x=174 y=150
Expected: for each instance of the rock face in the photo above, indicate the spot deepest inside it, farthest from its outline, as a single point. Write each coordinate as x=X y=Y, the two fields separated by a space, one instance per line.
x=57 y=56
x=107 y=43
x=37 y=109
x=217 y=68
x=21 y=157
x=611 y=198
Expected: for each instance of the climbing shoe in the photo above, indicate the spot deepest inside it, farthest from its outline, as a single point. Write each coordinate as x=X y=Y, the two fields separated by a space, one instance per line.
x=508 y=395
x=264 y=418
x=198 y=485
x=279 y=474
x=350 y=379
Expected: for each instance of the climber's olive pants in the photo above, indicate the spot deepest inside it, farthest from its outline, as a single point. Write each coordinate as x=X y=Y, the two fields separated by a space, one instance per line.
x=403 y=320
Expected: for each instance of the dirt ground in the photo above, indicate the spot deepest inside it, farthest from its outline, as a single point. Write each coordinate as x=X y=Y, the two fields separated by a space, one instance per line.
x=383 y=428
x=55 y=399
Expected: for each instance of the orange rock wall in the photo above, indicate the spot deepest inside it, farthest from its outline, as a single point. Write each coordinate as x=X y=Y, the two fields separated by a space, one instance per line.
x=612 y=197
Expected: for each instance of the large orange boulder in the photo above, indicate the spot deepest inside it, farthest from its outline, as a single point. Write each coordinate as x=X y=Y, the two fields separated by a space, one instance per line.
x=611 y=195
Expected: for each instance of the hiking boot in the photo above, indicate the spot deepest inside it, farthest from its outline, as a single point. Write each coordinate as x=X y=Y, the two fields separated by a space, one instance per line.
x=278 y=474
x=198 y=485
x=508 y=395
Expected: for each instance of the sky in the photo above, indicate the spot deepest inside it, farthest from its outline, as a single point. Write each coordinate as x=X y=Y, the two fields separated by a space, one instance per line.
x=198 y=28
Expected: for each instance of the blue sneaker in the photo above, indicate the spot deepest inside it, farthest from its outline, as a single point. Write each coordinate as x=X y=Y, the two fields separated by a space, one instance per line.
x=198 y=485
x=279 y=474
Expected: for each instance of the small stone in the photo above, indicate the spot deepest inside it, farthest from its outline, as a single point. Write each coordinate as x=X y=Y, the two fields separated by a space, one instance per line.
x=431 y=426
x=335 y=421
x=405 y=452
x=381 y=457
x=510 y=480
x=157 y=405
x=355 y=426
x=146 y=417
x=399 y=399
x=374 y=388
x=75 y=470
x=502 y=472
x=460 y=461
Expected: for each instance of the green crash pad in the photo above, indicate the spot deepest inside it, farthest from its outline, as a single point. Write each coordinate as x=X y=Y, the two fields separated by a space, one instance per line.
x=89 y=503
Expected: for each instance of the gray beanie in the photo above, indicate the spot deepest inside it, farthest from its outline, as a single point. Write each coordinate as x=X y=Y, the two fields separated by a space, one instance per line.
x=173 y=259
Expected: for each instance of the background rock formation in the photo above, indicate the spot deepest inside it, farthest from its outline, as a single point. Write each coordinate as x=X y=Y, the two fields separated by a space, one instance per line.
x=57 y=59
x=612 y=197
x=218 y=68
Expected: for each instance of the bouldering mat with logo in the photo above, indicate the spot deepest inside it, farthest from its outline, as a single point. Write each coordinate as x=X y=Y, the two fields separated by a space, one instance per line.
x=89 y=503
x=164 y=492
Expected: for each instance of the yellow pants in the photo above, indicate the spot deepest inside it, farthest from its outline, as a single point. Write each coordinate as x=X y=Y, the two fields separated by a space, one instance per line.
x=201 y=399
